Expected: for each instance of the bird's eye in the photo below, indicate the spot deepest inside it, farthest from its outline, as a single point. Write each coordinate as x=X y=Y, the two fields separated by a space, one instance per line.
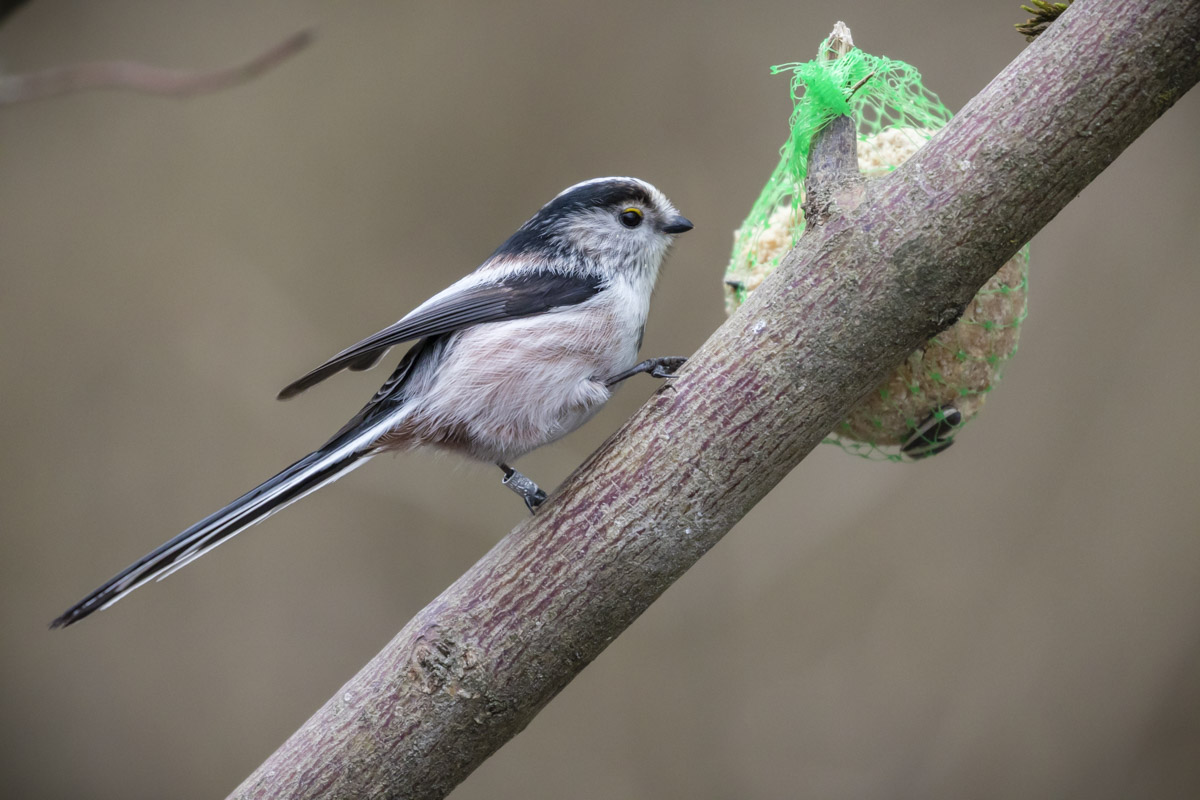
x=631 y=217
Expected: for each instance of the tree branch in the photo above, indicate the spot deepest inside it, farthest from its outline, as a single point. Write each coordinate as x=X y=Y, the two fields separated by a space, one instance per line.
x=857 y=294
x=144 y=77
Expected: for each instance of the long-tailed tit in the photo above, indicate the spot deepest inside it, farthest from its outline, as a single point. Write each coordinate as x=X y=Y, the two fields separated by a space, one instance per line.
x=515 y=355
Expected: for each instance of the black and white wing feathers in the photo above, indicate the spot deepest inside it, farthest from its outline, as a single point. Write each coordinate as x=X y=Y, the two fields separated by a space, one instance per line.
x=508 y=297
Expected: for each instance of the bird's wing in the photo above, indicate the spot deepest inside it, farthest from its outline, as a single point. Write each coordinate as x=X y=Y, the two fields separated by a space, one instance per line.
x=461 y=306
x=393 y=388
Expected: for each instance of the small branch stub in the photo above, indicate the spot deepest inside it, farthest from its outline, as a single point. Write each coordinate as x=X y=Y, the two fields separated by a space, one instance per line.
x=833 y=181
x=839 y=43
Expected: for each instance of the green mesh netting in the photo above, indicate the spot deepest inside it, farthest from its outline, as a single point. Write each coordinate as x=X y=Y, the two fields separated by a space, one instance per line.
x=942 y=385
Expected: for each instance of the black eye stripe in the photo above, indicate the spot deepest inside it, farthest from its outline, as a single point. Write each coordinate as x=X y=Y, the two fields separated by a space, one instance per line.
x=608 y=196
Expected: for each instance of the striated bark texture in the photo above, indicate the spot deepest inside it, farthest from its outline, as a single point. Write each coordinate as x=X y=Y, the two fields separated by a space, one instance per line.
x=891 y=264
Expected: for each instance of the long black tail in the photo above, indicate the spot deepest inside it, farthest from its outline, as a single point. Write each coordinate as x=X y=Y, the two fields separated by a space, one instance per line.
x=306 y=475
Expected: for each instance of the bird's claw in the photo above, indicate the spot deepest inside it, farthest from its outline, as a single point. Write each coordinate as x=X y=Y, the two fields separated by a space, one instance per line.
x=533 y=501
x=667 y=367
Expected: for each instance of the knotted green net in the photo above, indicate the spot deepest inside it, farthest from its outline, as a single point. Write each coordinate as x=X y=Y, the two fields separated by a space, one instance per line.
x=918 y=410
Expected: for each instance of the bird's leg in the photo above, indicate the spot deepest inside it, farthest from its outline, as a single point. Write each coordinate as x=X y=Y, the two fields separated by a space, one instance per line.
x=934 y=434
x=527 y=489
x=662 y=367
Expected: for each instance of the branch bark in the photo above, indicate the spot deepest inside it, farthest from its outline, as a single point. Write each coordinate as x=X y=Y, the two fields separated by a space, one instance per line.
x=891 y=266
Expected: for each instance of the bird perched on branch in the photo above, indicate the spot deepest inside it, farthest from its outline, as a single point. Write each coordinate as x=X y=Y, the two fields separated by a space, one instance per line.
x=515 y=355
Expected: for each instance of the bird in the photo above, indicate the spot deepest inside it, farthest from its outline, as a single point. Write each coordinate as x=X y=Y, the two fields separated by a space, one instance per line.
x=513 y=356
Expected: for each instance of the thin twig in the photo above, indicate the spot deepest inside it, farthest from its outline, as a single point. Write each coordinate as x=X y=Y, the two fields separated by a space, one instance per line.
x=145 y=78
x=861 y=83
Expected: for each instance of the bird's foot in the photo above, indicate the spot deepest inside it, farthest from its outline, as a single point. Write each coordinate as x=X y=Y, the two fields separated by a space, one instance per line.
x=935 y=433
x=662 y=367
x=526 y=489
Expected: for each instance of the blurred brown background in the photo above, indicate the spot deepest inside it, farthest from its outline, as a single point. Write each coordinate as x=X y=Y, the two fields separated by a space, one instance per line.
x=1019 y=617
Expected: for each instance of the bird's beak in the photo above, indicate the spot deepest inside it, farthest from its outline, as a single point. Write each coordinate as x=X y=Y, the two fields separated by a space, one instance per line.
x=677 y=224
